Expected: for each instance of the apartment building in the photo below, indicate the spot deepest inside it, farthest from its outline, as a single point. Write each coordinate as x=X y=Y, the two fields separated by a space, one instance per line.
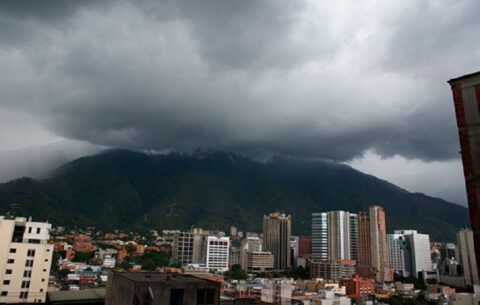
x=25 y=260
x=216 y=253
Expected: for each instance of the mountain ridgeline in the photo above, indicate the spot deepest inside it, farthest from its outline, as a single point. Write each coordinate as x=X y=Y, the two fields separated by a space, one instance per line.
x=125 y=189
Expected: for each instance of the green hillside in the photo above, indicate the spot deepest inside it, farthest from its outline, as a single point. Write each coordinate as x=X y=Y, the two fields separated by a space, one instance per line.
x=124 y=189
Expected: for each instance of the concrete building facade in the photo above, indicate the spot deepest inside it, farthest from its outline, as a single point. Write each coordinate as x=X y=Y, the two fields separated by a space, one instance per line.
x=397 y=252
x=416 y=251
x=466 y=257
x=260 y=262
x=276 y=238
x=249 y=244
x=373 y=245
x=187 y=247
x=25 y=260
x=335 y=236
x=333 y=270
x=216 y=251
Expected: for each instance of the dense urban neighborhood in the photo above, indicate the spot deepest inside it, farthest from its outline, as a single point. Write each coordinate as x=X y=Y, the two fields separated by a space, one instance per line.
x=349 y=258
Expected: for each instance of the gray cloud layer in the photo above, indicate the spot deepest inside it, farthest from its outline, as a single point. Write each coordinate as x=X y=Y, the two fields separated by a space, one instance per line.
x=303 y=78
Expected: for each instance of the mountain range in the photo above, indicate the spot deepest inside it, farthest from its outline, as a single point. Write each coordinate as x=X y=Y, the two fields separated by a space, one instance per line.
x=214 y=190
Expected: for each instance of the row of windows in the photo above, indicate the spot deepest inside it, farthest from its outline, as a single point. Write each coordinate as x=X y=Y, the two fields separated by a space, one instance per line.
x=30 y=252
x=23 y=294
x=26 y=273
x=38 y=230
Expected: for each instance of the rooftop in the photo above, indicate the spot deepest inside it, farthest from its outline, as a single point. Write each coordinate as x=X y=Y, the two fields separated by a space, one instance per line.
x=161 y=276
x=81 y=295
x=464 y=77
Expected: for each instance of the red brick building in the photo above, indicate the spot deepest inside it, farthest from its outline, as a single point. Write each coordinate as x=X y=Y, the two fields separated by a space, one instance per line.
x=466 y=99
x=358 y=286
x=304 y=246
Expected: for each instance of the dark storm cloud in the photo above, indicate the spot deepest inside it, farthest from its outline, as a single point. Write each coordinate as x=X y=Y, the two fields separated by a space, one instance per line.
x=258 y=77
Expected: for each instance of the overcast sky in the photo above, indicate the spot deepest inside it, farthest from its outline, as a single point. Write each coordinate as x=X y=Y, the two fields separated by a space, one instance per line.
x=362 y=82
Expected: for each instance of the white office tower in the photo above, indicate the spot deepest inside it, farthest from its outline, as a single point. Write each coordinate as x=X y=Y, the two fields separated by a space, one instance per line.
x=466 y=256
x=25 y=259
x=335 y=236
x=215 y=253
x=418 y=251
x=397 y=247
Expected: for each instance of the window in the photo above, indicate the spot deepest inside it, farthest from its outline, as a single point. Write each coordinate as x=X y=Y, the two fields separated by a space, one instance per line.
x=6 y=282
x=46 y=259
x=27 y=273
x=43 y=280
x=38 y=230
x=13 y=250
x=44 y=270
x=10 y=261
x=4 y=293
x=176 y=297
x=30 y=230
x=29 y=263
x=25 y=284
x=205 y=296
x=23 y=294
x=8 y=271
x=31 y=252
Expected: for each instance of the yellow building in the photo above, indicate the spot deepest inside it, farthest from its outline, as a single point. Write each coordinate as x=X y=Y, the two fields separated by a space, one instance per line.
x=25 y=259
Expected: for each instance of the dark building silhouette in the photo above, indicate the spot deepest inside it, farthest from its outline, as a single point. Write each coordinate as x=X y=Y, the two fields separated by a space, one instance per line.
x=155 y=288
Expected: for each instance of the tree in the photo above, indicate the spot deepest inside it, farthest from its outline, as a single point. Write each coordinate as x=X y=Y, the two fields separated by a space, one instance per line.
x=299 y=273
x=175 y=264
x=83 y=256
x=236 y=273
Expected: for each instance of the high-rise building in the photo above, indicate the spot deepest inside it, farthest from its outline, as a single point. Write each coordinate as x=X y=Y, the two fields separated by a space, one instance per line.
x=364 y=243
x=249 y=244
x=276 y=238
x=187 y=247
x=25 y=260
x=234 y=256
x=397 y=254
x=304 y=246
x=320 y=236
x=419 y=246
x=334 y=236
x=466 y=99
x=294 y=250
x=466 y=257
x=373 y=246
x=415 y=252
x=216 y=250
